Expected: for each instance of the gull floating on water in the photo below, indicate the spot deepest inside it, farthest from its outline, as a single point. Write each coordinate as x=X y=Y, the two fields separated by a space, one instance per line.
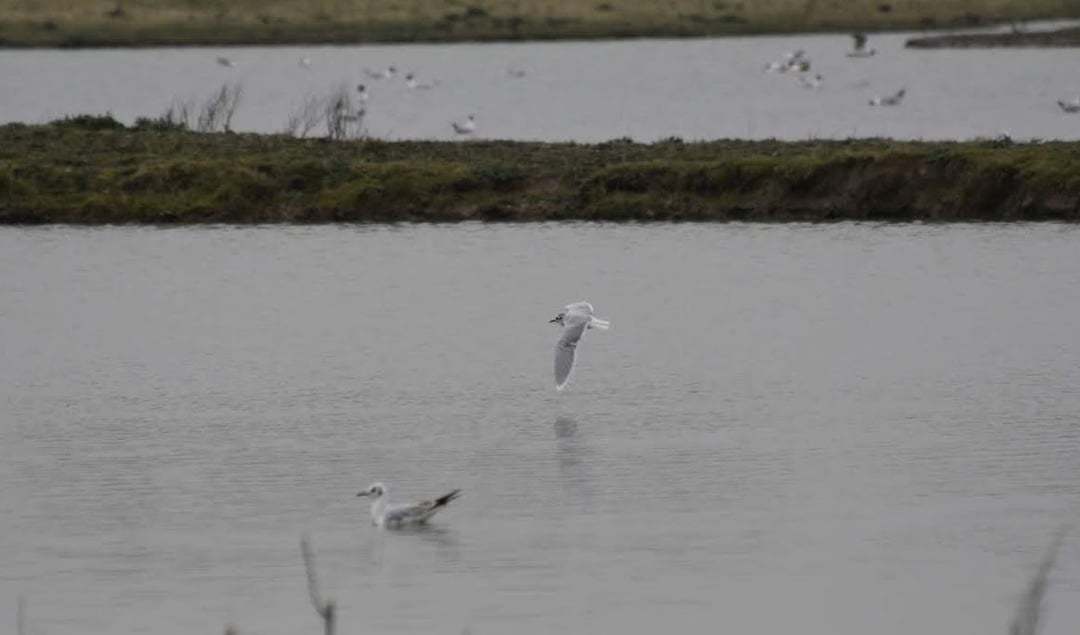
x=466 y=128
x=226 y=62
x=383 y=514
x=859 y=47
x=575 y=319
x=1069 y=106
x=412 y=84
x=516 y=73
x=890 y=100
x=388 y=73
x=304 y=62
x=812 y=83
x=793 y=61
x=362 y=93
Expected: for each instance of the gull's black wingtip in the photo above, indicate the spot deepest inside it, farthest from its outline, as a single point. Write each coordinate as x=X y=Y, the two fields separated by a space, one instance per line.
x=444 y=500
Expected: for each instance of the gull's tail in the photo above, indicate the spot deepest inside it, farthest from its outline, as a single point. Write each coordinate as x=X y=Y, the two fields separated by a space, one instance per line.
x=597 y=323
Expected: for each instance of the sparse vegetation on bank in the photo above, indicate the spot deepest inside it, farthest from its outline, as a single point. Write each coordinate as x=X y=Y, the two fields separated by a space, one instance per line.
x=94 y=170
x=183 y=22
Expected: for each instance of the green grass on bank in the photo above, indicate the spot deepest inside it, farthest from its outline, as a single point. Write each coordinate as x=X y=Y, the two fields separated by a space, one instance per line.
x=94 y=170
x=213 y=22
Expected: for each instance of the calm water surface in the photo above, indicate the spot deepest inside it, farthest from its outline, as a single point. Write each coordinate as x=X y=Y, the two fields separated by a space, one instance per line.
x=832 y=429
x=584 y=91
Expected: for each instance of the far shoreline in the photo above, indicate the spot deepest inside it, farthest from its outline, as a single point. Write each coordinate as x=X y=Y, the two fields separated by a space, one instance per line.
x=172 y=23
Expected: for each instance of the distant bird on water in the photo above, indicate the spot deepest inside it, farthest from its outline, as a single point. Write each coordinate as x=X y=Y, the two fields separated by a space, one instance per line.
x=226 y=62
x=793 y=61
x=516 y=73
x=811 y=83
x=304 y=62
x=1070 y=107
x=575 y=319
x=859 y=47
x=466 y=128
x=889 y=100
x=412 y=84
x=388 y=73
x=383 y=514
x=362 y=93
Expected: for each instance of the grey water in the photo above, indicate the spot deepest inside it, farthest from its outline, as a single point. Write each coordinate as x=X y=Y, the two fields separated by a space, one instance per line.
x=821 y=429
x=580 y=91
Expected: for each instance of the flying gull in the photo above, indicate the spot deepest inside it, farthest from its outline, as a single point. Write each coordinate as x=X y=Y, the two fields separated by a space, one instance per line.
x=575 y=319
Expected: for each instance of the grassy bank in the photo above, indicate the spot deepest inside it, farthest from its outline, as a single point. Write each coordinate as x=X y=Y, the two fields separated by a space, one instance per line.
x=93 y=170
x=1067 y=37
x=216 y=22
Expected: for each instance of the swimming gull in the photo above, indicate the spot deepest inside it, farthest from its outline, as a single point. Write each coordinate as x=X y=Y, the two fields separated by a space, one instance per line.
x=812 y=83
x=412 y=84
x=226 y=62
x=383 y=514
x=890 y=100
x=575 y=319
x=1069 y=106
x=466 y=128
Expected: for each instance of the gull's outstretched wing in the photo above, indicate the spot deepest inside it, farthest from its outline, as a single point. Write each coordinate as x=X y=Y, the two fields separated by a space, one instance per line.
x=574 y=327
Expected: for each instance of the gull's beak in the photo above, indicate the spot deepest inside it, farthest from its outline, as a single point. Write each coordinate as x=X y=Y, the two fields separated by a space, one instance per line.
x=362 y=494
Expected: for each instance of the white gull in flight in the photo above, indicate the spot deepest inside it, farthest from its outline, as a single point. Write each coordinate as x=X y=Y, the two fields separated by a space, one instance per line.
x=575 y=319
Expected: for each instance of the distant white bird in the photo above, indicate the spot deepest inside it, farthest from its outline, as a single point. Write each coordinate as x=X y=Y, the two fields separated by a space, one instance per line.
x=812 y=83
x=859 y=47
x=388 y=73
x=1070 y=106
x=575 y=319
x=383 y=514
x=793 y=61
x=466 y=128
x=304 y=62
x=890 y=100
x=412 y=84
x=226 y=62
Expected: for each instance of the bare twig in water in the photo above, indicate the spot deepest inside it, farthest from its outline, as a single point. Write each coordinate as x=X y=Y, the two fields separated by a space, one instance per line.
x=1026 y=619
x=303 y=120
x=218 y=111
x=343 y=119
x=324 y=608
